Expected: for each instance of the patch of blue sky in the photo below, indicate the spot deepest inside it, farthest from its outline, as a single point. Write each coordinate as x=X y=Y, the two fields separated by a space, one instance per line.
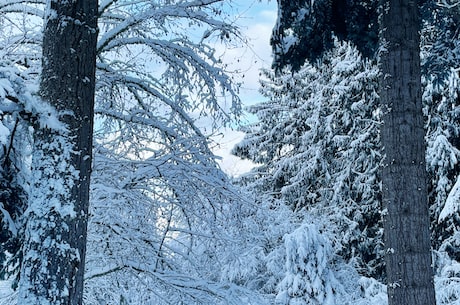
x=255 y=19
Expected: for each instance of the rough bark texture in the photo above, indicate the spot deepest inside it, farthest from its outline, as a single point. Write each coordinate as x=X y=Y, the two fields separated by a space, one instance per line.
x=407 y=238
x=53 y=266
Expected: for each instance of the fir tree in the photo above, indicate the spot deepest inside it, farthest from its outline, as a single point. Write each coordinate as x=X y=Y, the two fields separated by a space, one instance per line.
x=317 y=143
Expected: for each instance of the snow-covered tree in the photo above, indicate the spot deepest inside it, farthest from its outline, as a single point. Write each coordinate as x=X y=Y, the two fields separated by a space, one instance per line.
x=443 y=131
x=162 y=212
x=309 y=277
x=317 y=145
x=176 y=202
x=306 y=29
x=56 y=217
x=259 y=262
x=440 y=61
x=303 y=32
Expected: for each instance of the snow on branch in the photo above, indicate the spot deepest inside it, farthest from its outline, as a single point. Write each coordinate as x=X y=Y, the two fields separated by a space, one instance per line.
x=452 y=204
x=448 y=3
x=30 y=7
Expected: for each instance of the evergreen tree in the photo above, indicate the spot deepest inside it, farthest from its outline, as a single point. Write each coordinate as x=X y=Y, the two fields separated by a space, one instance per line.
x=440 y=58
x=317 y=143
x=440 y=44
x=309 y=279
x=443 y=130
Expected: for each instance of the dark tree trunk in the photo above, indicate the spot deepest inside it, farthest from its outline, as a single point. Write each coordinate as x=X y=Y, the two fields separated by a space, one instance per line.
x=407 y=236
x=55 y=246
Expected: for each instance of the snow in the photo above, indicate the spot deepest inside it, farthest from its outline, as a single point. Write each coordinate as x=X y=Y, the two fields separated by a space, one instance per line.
x=7 y=294
x=289 y=40
x=48 y=117
x=309 y=278
x=452 y=203
x=4 y=134
x=11 y=225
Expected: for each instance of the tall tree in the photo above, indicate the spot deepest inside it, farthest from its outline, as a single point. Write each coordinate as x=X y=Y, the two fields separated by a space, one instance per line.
x=55 y=236
x=404 y=177
x=440 y=59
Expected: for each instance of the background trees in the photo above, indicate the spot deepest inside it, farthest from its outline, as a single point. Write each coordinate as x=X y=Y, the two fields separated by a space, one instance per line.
x=306 y=29
x=318 y=146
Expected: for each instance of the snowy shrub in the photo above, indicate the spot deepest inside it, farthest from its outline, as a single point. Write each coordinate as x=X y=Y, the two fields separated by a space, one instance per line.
x=372 y=292
x=309 y=277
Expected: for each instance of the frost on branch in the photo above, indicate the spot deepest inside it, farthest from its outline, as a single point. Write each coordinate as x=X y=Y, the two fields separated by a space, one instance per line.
x=163 y=68
x=165 y=219
x=447 y=280
x=452 y=202
x=161 y=208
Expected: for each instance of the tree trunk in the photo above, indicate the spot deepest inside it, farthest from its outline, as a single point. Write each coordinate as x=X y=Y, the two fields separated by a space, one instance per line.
x=55 y=245
x=404 y=178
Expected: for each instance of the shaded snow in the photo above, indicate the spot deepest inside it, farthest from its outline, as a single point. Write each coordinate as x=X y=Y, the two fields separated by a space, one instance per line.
x=7 y=295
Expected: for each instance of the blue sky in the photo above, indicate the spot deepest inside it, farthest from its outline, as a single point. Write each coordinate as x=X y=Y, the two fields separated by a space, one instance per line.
x=256 y=20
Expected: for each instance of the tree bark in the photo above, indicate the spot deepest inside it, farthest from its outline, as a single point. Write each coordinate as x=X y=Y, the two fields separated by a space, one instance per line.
x=55 y=245
x=404 y=178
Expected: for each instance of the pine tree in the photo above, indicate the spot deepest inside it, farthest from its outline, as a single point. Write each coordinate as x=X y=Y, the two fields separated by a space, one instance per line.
x=443 y=130
x=309 y=279
x=440 y=55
